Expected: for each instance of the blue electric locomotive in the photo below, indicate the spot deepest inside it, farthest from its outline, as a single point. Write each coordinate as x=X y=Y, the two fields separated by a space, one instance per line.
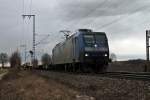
x=83 y=49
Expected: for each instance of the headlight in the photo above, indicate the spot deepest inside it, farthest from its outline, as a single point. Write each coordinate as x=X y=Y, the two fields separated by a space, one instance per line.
x=86 y=55
x=105 y=55
x=95 y=45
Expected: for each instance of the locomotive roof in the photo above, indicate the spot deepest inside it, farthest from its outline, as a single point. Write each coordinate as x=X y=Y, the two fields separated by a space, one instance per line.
x=77 y=34
x=94 y=33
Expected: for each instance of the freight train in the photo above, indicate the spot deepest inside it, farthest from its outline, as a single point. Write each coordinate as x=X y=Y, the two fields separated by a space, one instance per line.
x=85 y=50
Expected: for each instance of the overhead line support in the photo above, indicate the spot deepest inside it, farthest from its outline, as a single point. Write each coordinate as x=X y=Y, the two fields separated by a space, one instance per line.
x=33 y=45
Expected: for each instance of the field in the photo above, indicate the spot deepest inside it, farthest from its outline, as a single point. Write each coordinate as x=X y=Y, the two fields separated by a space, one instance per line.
x=50 y=85
x=129 y=66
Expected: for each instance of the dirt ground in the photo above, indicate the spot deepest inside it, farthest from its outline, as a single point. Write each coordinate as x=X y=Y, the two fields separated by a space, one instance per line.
x=46 y=85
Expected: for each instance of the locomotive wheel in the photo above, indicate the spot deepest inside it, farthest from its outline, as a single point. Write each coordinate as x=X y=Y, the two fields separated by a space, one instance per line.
x=78 y=68
x=66 y=67
x=104 y=68
x=73 y=67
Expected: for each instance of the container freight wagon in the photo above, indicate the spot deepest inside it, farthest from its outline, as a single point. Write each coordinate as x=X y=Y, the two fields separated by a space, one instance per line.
x=83 y=49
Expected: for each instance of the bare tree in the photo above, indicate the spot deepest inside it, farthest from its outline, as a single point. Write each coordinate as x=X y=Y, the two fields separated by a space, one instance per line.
x=46 y=60
x=3 y=59
x=113 y=57
x=15 y=60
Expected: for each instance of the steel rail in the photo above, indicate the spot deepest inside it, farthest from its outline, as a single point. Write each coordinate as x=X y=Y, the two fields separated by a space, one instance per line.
x=128 y=75
x=143 y=76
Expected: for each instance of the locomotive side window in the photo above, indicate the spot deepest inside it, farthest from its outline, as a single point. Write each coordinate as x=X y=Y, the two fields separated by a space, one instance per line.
x=89 y=40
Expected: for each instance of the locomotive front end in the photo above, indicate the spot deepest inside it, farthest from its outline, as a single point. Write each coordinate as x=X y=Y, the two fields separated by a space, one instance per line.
x=96 y=50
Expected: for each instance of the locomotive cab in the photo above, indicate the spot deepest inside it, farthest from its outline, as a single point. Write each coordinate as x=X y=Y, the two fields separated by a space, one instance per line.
x=96 y=49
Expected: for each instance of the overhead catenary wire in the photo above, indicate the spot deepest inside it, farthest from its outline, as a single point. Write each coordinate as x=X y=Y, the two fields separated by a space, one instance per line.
x=42 y=40
x=30 y=7
x=98 y=5
x=23 y=19
x=120 y=18
x=23 y=6
x=111 y=22
x=89 y=12
x=107 y=24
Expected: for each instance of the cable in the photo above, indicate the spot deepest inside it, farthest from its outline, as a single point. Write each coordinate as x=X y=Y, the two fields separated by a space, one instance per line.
x=90 y=12
x=46 y=37
x=23 y=9
x=93 y=10
x=120 y=18
x=23 y=18
x=30 y=7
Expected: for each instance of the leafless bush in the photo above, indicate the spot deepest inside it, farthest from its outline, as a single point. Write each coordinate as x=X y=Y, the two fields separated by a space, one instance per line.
x=113 y=57
x=15 y=59
x=46 y=60
x=3 y=58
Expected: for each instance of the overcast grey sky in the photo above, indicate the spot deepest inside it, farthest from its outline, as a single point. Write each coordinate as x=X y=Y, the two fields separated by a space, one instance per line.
x=124 y=22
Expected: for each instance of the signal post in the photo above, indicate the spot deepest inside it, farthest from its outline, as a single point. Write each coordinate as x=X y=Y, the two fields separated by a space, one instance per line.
x=147 y=49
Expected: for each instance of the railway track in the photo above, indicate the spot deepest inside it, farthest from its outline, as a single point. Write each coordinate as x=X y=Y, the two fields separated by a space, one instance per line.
x=144 y=76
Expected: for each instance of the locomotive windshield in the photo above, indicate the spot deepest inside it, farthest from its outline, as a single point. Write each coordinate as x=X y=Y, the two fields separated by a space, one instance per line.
x=100 y=39
x=91 y=40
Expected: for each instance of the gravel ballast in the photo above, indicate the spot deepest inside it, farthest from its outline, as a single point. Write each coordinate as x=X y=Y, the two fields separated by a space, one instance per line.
x=102 y=88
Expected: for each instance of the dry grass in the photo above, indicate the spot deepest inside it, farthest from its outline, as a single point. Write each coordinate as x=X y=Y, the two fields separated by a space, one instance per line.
x=3 y=70
x=130 y=66
x=27 y=86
